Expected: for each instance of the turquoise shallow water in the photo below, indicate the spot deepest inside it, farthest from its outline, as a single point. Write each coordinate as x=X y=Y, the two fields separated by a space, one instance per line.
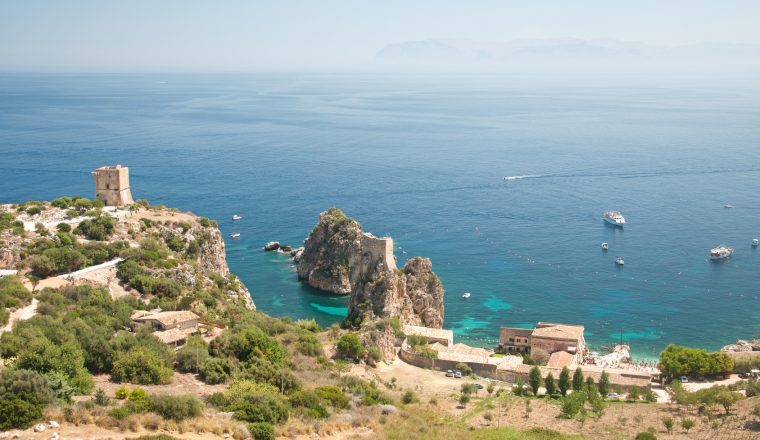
x=422 y=159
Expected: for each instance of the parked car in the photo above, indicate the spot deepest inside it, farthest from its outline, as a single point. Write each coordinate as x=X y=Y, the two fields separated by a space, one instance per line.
x=613 y=396
x=684 y=379
x=449 y=373
x=457 y=374
x=478 y=386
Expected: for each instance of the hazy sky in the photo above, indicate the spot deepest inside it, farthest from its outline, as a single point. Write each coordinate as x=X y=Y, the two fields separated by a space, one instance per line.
x=248 y=35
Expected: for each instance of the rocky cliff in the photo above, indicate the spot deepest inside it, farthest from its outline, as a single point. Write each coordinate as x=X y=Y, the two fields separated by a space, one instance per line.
x=339 y=257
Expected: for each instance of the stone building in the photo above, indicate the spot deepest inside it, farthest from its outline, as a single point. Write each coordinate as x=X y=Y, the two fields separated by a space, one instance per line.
x=547 y=336
x=112 y=185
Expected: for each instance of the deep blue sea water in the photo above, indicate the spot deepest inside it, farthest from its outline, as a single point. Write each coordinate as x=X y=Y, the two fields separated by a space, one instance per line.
x=422 y=159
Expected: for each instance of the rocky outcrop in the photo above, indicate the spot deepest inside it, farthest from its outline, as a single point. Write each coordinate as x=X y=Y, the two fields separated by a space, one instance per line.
x=414 y=294
x=212 y=256
x=742 y=346
x=339 y=257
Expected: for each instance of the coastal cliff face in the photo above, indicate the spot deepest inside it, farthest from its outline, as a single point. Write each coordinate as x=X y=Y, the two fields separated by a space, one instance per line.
x=339 y=257
x=414 y=294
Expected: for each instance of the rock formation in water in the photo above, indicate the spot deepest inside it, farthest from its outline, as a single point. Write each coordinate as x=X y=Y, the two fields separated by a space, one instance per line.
x=339 y=257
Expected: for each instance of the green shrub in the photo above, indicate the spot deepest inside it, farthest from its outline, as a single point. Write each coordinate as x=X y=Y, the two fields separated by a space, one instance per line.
x=122 y=392
x=333 y=395
x=350 y=346
x=261 y=431
x=119 y=413
x=176 y=407
x=99 y=228
x=34 y=210
x=252 y=402
x=138 y=402
x=215 y=370
x=18 y=413
x=309 y=403
x=415 y=340
x=646 y=436
x=409 y=397
x=464 y=368
x=309 y=345
x=142 y=366
x=572 y=404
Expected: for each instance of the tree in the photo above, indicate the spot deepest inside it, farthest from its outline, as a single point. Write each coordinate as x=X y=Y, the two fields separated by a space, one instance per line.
x=667 y=422
x=490 y=388
x=727 y=399
x=564 y=381
x=687 y=424
x=350 y=346
x=572 y=404
x=464 y=399
x=578 y=379
x=141 y=365
x=549 y=384
x=535 y=380
x=634 y=393
x=597 y=406
x=604 y=384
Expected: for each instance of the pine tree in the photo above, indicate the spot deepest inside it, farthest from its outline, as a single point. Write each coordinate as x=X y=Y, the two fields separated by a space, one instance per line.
x=604 y=384
x=578 y=379
x=535 y=380
x=564 y=381
x=551 y=387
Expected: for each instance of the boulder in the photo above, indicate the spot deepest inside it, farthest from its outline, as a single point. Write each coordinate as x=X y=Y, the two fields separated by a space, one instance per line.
x=272 y=246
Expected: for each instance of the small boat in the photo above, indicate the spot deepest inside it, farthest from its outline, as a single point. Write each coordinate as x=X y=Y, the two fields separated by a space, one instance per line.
x=235 y=235
x=236 y=217
x=605 y=246
x=728 y=206
x=466 y=295
x=755 y=242
x=614 y=218
x=721 y=252
x=619 y=261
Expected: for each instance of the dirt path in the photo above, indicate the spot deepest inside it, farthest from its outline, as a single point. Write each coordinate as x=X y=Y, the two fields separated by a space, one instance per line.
x=21 y=314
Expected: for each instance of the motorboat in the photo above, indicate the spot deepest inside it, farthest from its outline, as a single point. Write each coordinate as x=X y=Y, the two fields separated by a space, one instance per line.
x=236 y=217
x=605 y=246
x=755 y=242
x=619 y=261
x=466 y=295
x=728 y=206
x=614 y=218
x=721 y=252
x=235 y=235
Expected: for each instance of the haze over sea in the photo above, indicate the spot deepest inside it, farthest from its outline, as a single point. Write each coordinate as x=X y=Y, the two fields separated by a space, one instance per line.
x=422 y=158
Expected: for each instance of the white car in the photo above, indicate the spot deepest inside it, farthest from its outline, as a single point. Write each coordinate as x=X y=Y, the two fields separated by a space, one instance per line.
x=449 y=373
x=457 y=374
x=613 y=396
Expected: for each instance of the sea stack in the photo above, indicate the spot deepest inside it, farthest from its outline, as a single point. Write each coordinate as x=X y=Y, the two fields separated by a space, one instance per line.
x=339 y=257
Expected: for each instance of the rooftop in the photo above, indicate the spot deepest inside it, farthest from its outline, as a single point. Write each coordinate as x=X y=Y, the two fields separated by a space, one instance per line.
x=558 y=331
x=560 y=359
x=172 y=335
x=166 y=319
x=438 y=333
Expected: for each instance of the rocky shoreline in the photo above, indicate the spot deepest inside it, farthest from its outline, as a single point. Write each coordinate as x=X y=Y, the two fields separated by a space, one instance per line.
x=743 y=346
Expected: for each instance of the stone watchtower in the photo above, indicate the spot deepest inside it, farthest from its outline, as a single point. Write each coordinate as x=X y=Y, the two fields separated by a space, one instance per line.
x=112 y=185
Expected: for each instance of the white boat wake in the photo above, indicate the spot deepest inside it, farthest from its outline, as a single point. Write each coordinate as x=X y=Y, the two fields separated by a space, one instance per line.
x=525 y=176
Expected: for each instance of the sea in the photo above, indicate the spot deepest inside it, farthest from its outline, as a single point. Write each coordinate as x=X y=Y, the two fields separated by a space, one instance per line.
x=423 y=158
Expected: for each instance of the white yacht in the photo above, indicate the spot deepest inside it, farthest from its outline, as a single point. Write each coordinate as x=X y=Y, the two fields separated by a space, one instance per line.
x=236 y=217
x=614 y=218
x=235 y=235
x=605 y=246
x=619 y=261
x=721 y=252
x=755 y=242
x=728 y=206
x=466 y=295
